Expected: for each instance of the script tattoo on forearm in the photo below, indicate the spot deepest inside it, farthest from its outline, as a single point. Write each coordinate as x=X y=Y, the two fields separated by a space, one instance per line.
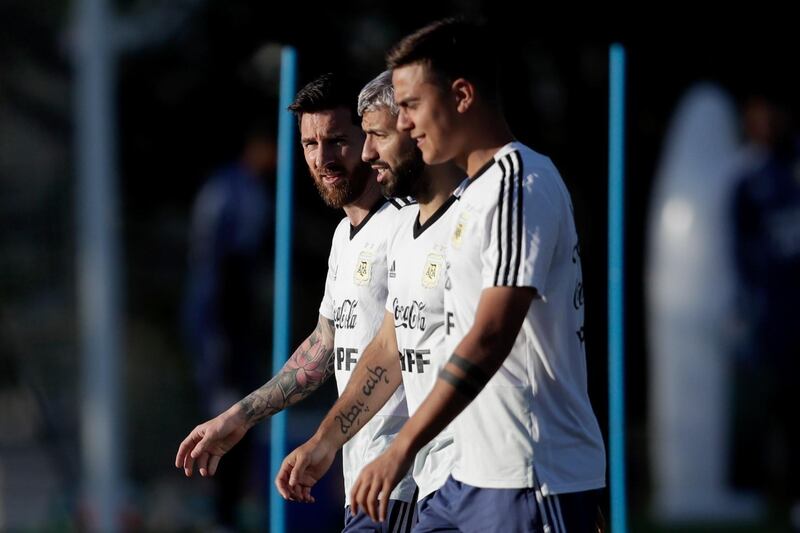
x=349 y=419
x=308 y=367
x=376 y=375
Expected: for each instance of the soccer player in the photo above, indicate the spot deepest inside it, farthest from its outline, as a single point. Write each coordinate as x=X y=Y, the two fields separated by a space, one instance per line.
x=414 y=322
x=352 y=307
x=530 y=455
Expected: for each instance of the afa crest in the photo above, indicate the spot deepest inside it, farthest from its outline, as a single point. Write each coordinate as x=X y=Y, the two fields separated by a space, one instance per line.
x=432 y=270
x=363 y=273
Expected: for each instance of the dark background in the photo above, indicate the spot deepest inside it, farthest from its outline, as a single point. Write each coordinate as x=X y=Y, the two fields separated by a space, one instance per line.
x=190 y=82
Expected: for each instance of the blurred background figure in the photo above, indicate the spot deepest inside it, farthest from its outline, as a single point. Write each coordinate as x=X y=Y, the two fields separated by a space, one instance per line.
x=690 y=287
x=722 y=279
x=224 y=322
x=765 y=216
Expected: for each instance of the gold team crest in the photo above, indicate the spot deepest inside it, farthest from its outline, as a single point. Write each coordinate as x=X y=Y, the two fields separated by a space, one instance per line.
x=461 y=227
x=432 y=271
x=363 y=273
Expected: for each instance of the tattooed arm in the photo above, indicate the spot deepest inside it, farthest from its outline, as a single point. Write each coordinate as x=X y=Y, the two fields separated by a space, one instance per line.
x=308 y=367
x=498 y=319
x=375 y=378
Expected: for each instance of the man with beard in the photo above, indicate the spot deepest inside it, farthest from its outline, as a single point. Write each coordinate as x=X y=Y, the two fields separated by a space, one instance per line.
x=414 y=322
x=351 y=309
x=530 y=455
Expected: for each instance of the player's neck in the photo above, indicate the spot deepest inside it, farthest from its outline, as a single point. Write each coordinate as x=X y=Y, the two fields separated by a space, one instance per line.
x=358 y=210
x=487 y=135
x=442 y=180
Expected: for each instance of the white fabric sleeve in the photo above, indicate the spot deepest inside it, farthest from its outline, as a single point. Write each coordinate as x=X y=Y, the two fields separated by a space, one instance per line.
x=521 y=230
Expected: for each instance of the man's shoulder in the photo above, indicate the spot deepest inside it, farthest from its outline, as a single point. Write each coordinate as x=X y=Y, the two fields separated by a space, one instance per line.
x=342 y=230
x=526 y=161
x=398 y=203
x=536 y=172
x=395 y=211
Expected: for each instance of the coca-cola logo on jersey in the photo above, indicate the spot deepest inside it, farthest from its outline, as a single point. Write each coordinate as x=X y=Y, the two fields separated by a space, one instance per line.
x=409 y=316
x=344 y=316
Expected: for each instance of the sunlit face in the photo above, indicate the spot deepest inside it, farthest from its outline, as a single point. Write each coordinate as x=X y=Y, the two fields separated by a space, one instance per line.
x=391 y=152
x=332 y=147
x=427 y=112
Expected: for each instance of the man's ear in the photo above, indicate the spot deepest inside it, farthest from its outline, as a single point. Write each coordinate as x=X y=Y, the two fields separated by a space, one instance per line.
x=464 y=93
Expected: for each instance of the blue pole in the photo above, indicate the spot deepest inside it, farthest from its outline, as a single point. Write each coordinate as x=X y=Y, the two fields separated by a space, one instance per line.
x=616 y=287
x=281 y=323
x=99 y=267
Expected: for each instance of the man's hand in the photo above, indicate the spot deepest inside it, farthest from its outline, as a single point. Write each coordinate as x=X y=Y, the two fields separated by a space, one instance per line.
x=302 y=468
x=378 y=479
x=208 y=442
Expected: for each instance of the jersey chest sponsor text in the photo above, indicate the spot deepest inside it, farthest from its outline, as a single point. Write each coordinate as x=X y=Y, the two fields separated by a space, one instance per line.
x=411 y=360
x=345 y=315
x=410 y=316
x=448 y=322
x=346 y=358
x=414 y=361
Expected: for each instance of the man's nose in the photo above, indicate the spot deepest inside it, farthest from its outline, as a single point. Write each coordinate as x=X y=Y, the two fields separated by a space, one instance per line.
x=404 y=122
x=326 y=154
x=368 y=152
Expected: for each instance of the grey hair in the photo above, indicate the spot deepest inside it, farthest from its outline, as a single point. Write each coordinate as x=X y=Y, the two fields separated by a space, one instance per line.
x=378 y=93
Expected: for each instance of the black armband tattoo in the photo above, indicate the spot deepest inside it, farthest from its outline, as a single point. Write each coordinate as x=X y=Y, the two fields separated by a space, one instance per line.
x=473 y=380
x=462 y=385
x=473 y=372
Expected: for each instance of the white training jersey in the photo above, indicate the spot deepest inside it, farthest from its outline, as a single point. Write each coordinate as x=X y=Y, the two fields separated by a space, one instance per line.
x=416 y=258
x=532 y=425
x=355 y=294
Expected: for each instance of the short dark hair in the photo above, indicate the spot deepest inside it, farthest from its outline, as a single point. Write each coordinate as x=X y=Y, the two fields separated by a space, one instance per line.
x=325 y=93
x=452 y=48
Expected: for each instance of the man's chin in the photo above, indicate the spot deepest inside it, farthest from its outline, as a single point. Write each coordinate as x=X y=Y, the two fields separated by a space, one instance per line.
x=334 y=195
x=388 y=188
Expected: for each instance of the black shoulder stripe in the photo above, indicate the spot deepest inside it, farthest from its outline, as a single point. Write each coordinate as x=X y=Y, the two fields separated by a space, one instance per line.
x=508 y=221
x=520 y=212
x=401 y=202
x=500 y=198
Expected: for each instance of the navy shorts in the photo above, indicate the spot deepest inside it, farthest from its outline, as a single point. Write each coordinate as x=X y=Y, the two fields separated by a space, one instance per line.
x=400 y=518
x=457 y=506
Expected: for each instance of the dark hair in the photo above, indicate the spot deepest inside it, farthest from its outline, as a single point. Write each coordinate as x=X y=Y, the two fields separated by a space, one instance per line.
x=327 y=92
x=452 y=48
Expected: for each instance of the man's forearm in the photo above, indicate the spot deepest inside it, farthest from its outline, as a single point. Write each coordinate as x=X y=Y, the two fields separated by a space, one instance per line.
x=308 y=367
x=477 y=358
x=459 y=382
x=375 y=378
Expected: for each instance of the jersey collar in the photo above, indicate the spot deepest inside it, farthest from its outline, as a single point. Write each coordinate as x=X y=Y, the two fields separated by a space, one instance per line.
x=419 y=228
x=374 y=209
